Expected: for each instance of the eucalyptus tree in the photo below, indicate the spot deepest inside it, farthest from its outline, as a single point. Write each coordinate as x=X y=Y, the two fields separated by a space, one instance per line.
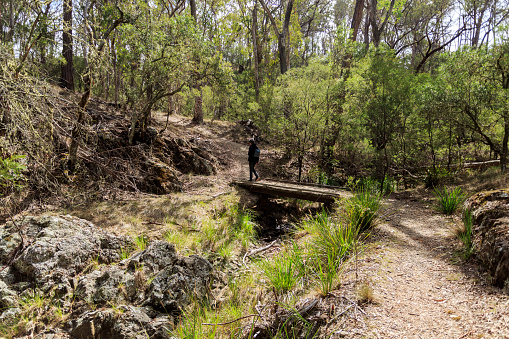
x=300 y=109
x=380 y=92
x=478 y=92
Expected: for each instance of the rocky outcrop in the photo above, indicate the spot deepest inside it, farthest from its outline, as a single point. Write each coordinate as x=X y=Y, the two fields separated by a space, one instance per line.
x=50 y=249
x=190 y=158
x=70 y=260
x=125 y=322
x=491 y=231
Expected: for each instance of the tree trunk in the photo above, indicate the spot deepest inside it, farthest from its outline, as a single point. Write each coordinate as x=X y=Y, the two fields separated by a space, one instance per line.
x=67 y=69
x=192 y=4
x=357 y=18
x=254 y=28
x=198 y=109
x=283 y=36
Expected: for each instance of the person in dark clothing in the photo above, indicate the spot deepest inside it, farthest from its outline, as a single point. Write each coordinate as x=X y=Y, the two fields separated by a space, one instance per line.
x=253 y=160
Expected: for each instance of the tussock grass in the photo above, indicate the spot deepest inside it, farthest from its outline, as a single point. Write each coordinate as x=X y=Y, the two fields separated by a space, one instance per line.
x=464 y=232
x=362 y=210
x=284 y=270
x=449 y=201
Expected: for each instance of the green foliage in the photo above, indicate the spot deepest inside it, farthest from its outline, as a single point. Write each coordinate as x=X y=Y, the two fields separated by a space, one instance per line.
x=372 y=185
x=141 y=242
x=361 y=211
x=330 y=240
x=465 y=234
x=435 y=175
x=449 y=201
x=326 y=274
x=284 y=270
x=11 y=172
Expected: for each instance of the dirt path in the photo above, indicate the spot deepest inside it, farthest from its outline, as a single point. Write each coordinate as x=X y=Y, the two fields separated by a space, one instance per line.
x=421 y=289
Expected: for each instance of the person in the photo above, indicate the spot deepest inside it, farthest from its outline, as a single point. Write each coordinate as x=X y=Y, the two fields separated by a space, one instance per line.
x=252 y=160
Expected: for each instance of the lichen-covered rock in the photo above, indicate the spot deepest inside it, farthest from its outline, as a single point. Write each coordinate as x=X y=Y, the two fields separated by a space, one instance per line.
x=161 y=178
x=155 y=257
x=109 y=284
x=126 y=322
x=176 y=286
x=49 y=249
x=491 y=231
x=8 y=297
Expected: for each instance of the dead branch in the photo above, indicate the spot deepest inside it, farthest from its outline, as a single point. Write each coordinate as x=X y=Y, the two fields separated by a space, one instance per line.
x=248 y=254
x=232 y=321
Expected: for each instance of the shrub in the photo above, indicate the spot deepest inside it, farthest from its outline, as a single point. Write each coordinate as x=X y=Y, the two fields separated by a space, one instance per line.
x=11 y=172
x=361 y=210
x=449 y=201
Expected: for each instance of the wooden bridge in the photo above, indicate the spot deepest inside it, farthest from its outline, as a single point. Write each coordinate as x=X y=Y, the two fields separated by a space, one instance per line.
x=289 y=189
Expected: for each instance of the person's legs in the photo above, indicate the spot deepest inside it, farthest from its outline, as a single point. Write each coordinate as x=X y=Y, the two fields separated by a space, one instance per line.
x=254 y=171
x=251 y=170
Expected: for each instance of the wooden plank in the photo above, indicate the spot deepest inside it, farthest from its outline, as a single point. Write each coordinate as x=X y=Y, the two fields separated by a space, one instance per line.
x=293 y=190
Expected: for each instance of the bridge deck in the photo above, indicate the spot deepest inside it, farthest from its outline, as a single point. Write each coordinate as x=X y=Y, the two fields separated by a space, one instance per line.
x=304 y=191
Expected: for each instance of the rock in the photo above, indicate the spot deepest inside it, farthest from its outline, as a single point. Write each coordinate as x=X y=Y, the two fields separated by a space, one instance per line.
x=189 y=159
x=162 y=179
x=125 y=322
x=491 y=231
x=110 y=284
x=9 y=315
x=7 y=275
x=155 y=257
x=176 y=286
x=57 y=247
x=8 y=298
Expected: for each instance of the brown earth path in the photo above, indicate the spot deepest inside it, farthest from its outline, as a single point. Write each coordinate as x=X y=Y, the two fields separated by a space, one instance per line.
x=421 y=288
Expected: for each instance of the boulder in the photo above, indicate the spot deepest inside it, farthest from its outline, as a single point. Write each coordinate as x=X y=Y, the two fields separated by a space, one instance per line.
x=110 y=284
x=178 y=285
x=155 y=257
x=161 y=178
x=49 y=249
x=8 y=297
x=125 y=322
x=491 y=232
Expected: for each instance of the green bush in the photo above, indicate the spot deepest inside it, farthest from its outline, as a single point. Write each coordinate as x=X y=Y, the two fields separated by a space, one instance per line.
x=11 y=172
x=361 y=210
x=449 y=201
x=435 y=175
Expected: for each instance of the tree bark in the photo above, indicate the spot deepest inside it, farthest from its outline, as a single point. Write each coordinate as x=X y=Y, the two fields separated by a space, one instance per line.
x=67 y=69
x=357 y=18
x=198 y=109
x=192 y=5
x=254 y=28
x=283 y=36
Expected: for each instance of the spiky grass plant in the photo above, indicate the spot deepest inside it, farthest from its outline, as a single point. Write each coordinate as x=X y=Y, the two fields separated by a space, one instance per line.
x=141 y=242
x=326 y=274
x=448 y=201
x=361 y=211
x=329 y=239
x=284 y=270
x=465 y=234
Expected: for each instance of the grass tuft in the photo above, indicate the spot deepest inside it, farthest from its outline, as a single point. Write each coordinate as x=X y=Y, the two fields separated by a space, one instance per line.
x=465 y=234
x=284 y=270
x=361 y=211
x=449 y=201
